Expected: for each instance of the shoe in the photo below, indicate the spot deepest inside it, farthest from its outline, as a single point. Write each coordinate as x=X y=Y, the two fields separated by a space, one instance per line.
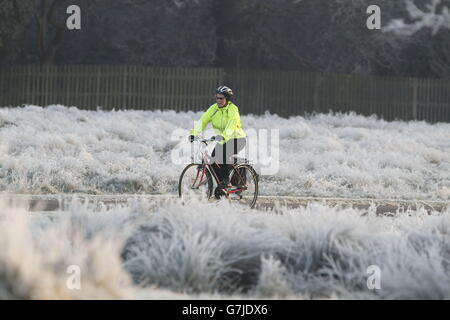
x=225 y=183
x=221 y=189
x=219 y=192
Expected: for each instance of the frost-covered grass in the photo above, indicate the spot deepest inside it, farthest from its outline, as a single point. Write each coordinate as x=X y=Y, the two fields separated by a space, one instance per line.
x=66 y=150
x=180 y=250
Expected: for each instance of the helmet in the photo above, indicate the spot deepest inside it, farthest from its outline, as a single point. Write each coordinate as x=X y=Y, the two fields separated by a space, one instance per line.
x=227 y=92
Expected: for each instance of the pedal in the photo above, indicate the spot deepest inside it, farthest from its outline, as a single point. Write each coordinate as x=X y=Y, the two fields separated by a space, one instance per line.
x=235 y=196
x=220 y=192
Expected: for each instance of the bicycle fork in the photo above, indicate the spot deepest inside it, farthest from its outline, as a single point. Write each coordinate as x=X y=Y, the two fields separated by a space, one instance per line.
x=201 y=178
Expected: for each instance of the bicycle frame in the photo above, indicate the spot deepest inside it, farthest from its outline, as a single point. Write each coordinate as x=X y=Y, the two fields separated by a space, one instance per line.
x=207 y=166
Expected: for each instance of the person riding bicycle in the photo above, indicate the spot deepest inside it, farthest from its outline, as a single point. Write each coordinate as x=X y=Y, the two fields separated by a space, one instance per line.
x=225 y=119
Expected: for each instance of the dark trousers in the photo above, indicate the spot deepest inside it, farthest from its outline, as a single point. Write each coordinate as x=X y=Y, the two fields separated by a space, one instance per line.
x=221 y=155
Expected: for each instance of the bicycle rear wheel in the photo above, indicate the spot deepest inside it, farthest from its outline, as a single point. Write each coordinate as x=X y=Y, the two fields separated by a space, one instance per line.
x=195 y=180
x=244 y=180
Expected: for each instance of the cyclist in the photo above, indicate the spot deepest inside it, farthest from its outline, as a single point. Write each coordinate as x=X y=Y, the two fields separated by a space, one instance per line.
x=225 y=119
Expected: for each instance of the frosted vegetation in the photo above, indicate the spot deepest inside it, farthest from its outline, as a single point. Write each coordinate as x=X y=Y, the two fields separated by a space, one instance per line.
x=432 y=18
x=199 y=250
x=67 y=150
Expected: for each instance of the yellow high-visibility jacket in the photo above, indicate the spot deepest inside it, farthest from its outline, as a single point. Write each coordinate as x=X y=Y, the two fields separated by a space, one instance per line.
x=225 y=121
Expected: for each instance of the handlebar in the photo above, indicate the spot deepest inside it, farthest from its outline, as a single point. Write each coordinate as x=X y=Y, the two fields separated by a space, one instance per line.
x=205 y=140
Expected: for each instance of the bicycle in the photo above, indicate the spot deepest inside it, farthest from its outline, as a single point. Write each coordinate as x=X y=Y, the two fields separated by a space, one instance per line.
x=197 y=178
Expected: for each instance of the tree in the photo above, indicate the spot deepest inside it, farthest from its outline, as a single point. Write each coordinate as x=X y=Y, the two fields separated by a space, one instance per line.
x=151 y=32
x=427 y=27
x=306 y=35
x=310 y=35
x=13 y=17
x=436 y=16
x=50 y=29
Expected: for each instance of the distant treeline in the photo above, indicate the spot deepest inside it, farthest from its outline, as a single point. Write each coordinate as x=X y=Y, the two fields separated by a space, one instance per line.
x=304 y=35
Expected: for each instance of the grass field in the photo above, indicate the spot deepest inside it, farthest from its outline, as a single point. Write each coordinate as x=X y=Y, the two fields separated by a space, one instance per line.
x=316 y=246
x=199 y=250
x=67 y=150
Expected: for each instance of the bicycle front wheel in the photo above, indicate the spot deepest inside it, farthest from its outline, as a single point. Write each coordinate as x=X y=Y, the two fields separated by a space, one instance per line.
x=195 y=180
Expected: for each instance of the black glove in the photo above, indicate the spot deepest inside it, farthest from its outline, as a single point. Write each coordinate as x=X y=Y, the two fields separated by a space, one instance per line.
x=191 y=138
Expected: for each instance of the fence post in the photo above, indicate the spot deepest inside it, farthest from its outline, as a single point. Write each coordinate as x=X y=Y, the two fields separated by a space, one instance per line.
x=414 y=100
x=318 y=79
x=125 y=102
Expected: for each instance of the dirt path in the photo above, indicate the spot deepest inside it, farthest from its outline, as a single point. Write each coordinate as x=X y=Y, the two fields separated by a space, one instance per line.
x=39 y=203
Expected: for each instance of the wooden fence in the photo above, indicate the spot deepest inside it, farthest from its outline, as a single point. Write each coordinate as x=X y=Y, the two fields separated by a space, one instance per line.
x=282 y=92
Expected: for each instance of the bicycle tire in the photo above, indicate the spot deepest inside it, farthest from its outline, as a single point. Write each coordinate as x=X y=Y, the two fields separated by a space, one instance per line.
x=208 y=179
x=254 y=176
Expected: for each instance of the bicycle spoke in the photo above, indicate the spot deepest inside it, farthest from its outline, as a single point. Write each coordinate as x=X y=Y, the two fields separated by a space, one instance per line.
x=243 y=178
x=245 y=183
x=195 y=180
